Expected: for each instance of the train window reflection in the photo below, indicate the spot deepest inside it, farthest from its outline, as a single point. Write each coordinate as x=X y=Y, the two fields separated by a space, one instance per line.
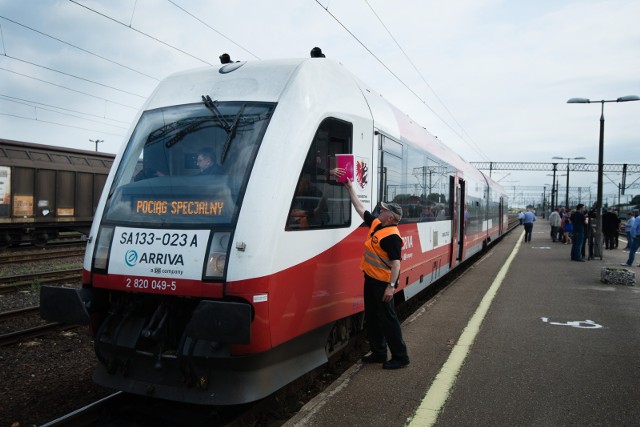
x=162 y=165
x=416 y=181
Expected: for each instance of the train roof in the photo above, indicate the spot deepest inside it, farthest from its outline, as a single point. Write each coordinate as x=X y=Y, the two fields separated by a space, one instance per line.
x=269 y=81
x=27 y=154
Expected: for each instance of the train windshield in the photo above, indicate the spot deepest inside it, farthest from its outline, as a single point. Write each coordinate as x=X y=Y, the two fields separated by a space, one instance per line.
x=188 y=164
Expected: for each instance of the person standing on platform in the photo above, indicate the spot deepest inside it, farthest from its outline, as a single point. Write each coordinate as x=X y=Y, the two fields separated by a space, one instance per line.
x=627 y=228
x=381 y=266
x=562 y=221
x=634 y=244
x=529 y=219
x=577 y=221
x=610 y=228
x=521 y=217
x=555 y=221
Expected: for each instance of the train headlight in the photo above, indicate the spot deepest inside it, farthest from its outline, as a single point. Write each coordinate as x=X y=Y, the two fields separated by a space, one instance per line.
x=103 y=245
x=217 y=256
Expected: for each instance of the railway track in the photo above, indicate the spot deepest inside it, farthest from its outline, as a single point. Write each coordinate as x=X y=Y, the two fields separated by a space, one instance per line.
x=42 y=255
x=19 y=312
x=31 y=330
x=91 y=413
x=17 y=282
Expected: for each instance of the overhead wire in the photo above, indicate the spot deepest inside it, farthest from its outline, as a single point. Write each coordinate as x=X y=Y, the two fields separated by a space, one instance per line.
x=129 y=26
x=80 y=48
x=213 y=29
x=455 y=131
x=424 y=80
x=53 y=108
x=68 y=88
x=74 y=76
x=59 y=124
x=142 y=33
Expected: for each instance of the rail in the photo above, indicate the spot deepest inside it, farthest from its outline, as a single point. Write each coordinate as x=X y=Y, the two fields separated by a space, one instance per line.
x=21 y=281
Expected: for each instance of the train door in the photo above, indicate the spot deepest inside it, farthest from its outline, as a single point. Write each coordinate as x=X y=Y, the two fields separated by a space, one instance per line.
x=461 y=213
x=22 y=192
x=501 y=215
x=84 y=195
x=45 y=193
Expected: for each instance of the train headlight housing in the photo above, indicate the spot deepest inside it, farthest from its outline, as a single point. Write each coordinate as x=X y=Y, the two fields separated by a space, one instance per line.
x=103 y=245
x=217 y=255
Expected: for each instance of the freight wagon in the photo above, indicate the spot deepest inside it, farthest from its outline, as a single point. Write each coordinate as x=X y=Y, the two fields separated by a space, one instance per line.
x=45 y=190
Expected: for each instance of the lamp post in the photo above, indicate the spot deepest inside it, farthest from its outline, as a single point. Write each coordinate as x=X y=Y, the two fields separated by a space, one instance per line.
x=97 y=141
x=566 y=201
x=598 y=236
x=554 y=193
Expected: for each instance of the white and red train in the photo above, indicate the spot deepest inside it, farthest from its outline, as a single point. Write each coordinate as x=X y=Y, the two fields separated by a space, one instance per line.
x=219 y=288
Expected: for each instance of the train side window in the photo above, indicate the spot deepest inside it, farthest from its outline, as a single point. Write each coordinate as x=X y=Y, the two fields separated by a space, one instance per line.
x=415 y=180
x=319 y=201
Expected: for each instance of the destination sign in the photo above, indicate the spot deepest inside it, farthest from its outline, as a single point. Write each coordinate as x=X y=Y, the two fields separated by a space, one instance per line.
x=180 y=207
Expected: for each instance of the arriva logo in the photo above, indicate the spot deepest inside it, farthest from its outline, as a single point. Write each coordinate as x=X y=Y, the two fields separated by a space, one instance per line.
x=131 y=257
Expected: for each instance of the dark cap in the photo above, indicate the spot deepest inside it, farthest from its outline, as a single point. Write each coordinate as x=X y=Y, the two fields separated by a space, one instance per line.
x=393 y=207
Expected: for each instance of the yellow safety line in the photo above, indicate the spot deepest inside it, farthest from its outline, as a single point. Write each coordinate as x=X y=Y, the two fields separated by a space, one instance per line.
x=430 y=407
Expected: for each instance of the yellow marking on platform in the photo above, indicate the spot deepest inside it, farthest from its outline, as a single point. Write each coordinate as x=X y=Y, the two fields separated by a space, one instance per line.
x=430 y=407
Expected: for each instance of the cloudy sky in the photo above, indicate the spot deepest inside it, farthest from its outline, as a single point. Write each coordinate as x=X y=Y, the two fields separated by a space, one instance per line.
x=490 y=78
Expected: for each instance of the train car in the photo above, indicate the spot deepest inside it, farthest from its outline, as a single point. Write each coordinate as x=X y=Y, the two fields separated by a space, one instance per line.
x=220 y=283
x=45 y=190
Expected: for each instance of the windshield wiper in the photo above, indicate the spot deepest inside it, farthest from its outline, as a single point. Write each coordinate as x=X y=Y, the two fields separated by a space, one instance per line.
x=212 y=106
x=231 y=134
x=230 y=129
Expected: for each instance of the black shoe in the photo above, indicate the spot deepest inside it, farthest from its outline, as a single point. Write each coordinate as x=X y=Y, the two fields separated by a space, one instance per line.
x=374 y=358
x=395 y=364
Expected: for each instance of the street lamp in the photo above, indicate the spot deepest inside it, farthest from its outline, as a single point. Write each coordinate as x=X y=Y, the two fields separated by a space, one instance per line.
x=601 y=161
x=97 y=141
x=553 y=187
x=567 y=159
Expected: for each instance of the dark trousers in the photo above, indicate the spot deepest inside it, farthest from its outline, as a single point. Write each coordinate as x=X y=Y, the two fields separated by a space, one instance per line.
x=383 y=327
x=528 y=227
x=576 y=248
x=610 y=240
x=554 y=233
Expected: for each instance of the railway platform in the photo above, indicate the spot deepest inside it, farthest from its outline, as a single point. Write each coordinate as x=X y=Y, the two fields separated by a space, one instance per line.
x=525 y=337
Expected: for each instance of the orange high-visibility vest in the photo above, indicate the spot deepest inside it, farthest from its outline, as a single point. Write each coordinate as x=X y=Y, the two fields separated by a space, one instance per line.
x=375 y=261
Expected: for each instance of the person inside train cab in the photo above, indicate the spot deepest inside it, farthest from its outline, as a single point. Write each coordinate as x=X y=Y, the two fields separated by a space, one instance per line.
x=381 y=267
x=206 y=162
